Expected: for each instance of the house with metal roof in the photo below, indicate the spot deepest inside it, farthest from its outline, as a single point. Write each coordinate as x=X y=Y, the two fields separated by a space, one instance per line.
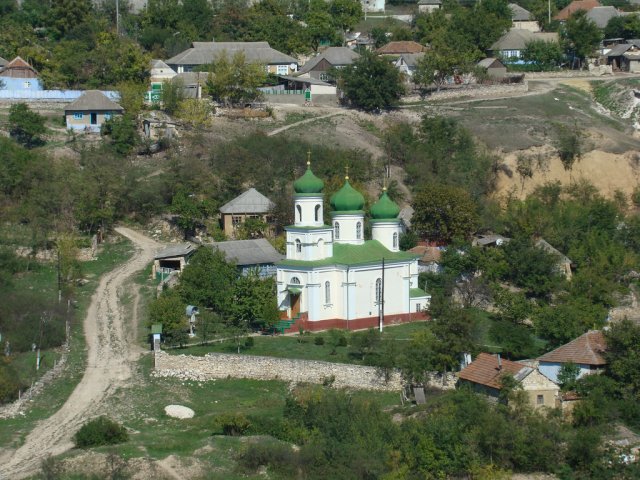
x=512 y=43
x=586 y=351
x=574 y=7
x=202 y=54
x=407 y=63
x=319 y=66
x=90 y=111
x=485 y=375
x=251 y=256
x=601 y=15
x=249 y=204
x=522 y=18
x=333 y=277
x=18 y=74
x=429 y=6
x=172 y=260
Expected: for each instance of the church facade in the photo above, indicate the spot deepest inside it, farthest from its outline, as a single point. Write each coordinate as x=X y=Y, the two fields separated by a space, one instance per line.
x=332 y=277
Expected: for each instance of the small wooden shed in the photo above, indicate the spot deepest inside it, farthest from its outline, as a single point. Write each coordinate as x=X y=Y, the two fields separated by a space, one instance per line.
x=495 y=68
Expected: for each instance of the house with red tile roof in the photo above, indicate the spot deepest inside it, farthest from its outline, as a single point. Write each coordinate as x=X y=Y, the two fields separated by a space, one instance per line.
x=486 y=372
x=401 y=47
x=586 y=351
x=19 y=75
x=574 y=7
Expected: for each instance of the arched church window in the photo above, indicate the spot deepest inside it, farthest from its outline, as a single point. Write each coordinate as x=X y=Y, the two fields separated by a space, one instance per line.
x=395 y=240
x=336 y=230
x=317 y=211
x=294 y=281
x=299 y=209
x=327 y=292
x=378 y=290
x=359 y=230
x=298 y=245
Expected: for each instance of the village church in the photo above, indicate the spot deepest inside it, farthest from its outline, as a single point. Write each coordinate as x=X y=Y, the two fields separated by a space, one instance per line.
x=332 y=277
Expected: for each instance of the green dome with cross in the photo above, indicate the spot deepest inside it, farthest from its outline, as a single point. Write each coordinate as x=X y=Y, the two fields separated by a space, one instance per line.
x=385 y=208
x=308 y=183
x=347 y=198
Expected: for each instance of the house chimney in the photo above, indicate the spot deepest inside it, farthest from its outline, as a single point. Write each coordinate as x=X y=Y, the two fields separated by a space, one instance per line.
x=499 y=361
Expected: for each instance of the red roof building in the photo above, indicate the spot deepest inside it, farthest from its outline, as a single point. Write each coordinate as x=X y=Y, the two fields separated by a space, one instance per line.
x=18 y=68
x=575 y=6
x=586 y=351
x=400 y=47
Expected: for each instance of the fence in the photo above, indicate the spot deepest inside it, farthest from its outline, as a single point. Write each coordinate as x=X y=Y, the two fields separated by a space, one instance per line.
x=51 y=95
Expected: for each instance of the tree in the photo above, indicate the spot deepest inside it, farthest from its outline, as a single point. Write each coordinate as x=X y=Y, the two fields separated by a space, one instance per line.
x=580 y=36
x=442 y=213
x=569 y=144
x=371 y=83
x=25 y=125
x=169 y=310
x=236 y=81
x=172 y=95
x=345 y=13
x=623 y=355
x=320 y=25
x=124 y=135
x=568 y=375
x=544 y=55
x=68 y=14
x=440 y=63
x=626 y=27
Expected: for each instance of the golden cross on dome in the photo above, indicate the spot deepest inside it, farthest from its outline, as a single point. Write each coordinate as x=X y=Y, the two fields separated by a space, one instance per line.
x=384 y=183
x=309 y=158
x=346 y=169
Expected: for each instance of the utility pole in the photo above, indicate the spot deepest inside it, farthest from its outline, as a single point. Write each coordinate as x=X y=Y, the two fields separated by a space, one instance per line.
x=549 y=8
x=117 y=17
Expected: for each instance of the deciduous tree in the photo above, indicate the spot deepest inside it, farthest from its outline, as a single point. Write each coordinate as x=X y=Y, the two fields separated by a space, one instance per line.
x=25 y=125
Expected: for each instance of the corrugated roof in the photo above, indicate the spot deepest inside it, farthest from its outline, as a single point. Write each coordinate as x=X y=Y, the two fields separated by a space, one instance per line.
x=519 y=14
x=547 y=247
x=411 y=59
x=587 y=349
x=601 y=15
x=251 y=201
x=159 y=64
x=484 y=371
x=517 y=39
x=618 y=50
x=417 y=293
x=371 y=252
x=336 y=56
x=404 y=46
x=181 y=250
x=309 y=80
x=430 y=2
x=574 y=6
x=249 y=252
x=93 y=100
x=203 y=53
x=191 y=78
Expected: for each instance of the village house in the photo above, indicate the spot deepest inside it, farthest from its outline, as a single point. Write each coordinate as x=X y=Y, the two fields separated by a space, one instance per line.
x=19 y=75
x=400 y=48
x=586 y=351
x=429 y=6
x=255 y=256
x=159 y=73
x=407 y=63
x=522 y=18
x=250 y=204
x=320 y=66
x=563 y=263
x=484 y=375
x=90 y=111
x=494 y=67
x=624 y=57
x=512 y=43
x=429 y=259
x=489 y=240
x=202 y=54
x=171 y=260
x=192 y=83
x=601 y=15
x=575 y=6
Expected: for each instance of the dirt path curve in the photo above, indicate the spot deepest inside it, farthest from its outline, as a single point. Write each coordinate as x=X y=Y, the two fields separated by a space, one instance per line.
x=302 y=122
x=111 y=351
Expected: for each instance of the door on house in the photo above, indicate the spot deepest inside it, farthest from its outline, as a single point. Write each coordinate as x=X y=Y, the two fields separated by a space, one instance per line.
x=94 y=119
x=295 y=304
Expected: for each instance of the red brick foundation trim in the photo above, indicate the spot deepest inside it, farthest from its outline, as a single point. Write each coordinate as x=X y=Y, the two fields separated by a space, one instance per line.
x=354 y=324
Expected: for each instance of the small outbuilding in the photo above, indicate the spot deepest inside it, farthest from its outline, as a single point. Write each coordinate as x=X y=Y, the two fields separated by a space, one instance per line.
x=495 y=68
x=250 y=204
x=428 y=6
x=251 y=256
x=172 y=260
x=90 y=111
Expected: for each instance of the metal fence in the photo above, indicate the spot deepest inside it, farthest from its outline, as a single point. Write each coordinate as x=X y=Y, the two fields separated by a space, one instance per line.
x=51 y=95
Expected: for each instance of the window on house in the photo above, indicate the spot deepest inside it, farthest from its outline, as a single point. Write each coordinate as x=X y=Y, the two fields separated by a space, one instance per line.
x=324 y=76
x=299 y=209
x=26 y=85
x=540 y=399
x=235 y=221
x=317 y=212
x=336 y=230
x=107 y=115
x=283 y=69
x=358 y=230
x=327 y=292
x=418 y=308
x=378 y=290
x=294 y=281
x=77 y=115
x=298 y=245
x=395 y=240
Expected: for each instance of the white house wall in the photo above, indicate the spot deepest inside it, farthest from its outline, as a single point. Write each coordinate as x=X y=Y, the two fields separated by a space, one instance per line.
x=552 y=369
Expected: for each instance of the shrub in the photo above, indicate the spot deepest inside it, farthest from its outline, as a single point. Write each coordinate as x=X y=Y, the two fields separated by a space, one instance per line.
x=342 y=342
x=100 y=431
x=249 y=342
x=279 y=456
x=233 y=424
x=319 y=341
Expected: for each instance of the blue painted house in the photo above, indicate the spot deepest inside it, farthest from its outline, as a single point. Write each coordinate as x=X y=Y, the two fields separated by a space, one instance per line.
x=90 y=111
x=19 y=75
x=586 y=351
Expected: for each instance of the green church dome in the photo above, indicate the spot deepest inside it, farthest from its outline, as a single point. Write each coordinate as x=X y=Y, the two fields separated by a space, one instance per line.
x=308 y=183
x=347 y=199
x=385 y=208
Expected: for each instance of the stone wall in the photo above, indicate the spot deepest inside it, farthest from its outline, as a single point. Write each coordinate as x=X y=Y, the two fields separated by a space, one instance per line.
x=340 y=375
x=473 y=91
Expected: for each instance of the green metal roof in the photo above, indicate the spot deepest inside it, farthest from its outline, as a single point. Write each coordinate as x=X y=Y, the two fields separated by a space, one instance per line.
x=347 y=198
x=384 y=208
x=308 y=183
x=417 y=293
x=372 y=251
x=156 y=328
x=294 y=290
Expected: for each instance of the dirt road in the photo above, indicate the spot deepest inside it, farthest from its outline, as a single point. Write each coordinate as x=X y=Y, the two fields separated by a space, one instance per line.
x=111 y=345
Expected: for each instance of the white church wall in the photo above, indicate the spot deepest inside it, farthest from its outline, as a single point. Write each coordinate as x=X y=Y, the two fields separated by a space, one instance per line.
x=308 y=211
x=384 y=233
